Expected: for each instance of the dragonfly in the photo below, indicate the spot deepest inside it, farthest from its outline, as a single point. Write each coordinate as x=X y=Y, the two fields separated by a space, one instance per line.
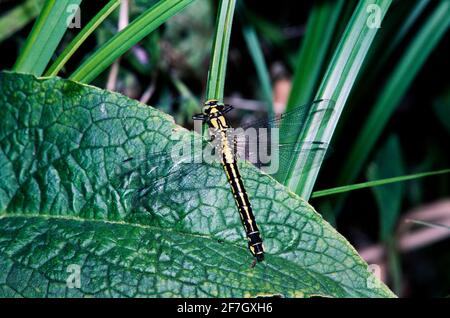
x=257 y=142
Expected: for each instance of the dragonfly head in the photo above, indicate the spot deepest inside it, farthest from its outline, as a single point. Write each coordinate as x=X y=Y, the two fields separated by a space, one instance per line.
x=212 y=109
x=211 y=103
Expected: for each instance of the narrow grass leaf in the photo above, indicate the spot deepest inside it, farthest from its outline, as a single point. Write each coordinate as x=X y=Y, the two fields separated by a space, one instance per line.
x=147 y=22
x=45 y=36
x=311 y=57
x=384 y=46
x=429 y=224
x=219 y=55
x=254 y=48
x=376 y=183
x=81 y=37
x=409 y=22
x=336 y=86
x=382 y=50
x=397 y=85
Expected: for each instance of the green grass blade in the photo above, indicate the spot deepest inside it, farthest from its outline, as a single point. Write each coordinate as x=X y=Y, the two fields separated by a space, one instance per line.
x=384 y=46
x=388 y=162
x=45 y=36
x=394 y=264
x=269 y=30
x=346 y=13
x=43 y=228
x=219 y=55
x=251 y=39
x=81 y=37
x=336 y=86
x=124 y=40
x=376 y=183
x=397 y=85
x=16 y=18
x=311 y=58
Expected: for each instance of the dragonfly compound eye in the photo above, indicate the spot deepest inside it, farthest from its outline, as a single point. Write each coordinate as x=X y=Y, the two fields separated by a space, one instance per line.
x=211 y=103
x=205 y=110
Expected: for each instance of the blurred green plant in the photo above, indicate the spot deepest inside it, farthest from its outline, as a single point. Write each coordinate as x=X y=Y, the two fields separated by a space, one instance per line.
x=187 y=39
x=441 y=108
x=313 y=51
x=251 y=39
x=389 y=162
x=16 y=18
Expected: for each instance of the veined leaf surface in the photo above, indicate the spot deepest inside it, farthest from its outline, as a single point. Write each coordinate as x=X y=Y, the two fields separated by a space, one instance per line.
x=60 y=143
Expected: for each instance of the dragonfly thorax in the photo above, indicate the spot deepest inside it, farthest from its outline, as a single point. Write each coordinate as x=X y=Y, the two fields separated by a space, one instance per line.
x=213 y=114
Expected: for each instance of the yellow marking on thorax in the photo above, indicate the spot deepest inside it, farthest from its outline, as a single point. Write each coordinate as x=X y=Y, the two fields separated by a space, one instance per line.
x=220 y=124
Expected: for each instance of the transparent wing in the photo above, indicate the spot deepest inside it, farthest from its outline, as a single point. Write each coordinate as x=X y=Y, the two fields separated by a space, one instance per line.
x=272 y=143
x=275 y=159
x=290 y=124
x=143 y=179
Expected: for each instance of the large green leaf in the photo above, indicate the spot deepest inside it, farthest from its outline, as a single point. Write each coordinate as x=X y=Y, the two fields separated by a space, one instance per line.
x=61 y=143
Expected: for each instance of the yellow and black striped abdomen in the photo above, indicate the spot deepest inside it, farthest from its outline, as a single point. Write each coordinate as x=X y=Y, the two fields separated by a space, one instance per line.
x=245 y=209
x=220 y=126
